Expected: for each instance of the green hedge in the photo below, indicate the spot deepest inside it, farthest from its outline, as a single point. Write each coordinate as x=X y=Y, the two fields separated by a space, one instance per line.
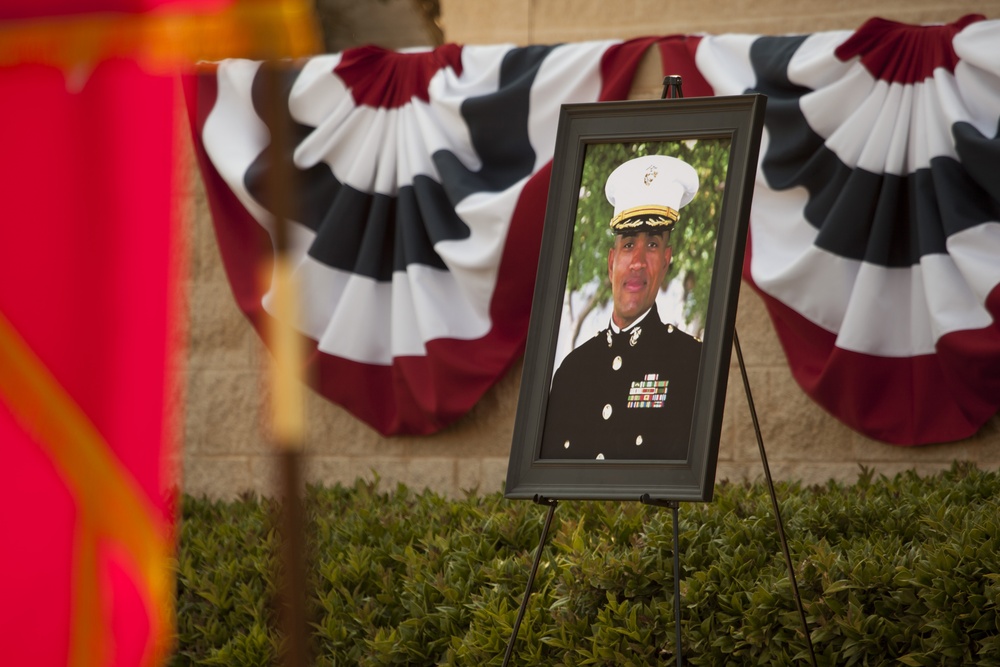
x=901 y=570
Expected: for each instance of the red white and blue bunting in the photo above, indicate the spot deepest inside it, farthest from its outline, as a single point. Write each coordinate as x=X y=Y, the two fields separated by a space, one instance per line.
x=875 y=229
x=422 y=179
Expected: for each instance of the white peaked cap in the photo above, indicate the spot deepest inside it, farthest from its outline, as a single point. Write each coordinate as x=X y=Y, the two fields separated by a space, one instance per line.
x=650 y=191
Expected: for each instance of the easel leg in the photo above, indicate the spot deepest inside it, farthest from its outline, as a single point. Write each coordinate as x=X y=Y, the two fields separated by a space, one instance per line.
x=674 y=507
x=531 y=576
x=774 y=499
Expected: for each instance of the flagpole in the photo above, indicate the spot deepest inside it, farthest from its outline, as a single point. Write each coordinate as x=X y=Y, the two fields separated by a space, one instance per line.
x=286 y=344
x=287 y=399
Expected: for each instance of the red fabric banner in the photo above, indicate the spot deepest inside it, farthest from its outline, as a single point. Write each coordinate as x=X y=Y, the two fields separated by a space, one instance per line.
x=88 y=287
x=91 y=272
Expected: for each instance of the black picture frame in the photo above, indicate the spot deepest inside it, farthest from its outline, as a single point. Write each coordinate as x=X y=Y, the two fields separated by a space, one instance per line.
x=582 y=129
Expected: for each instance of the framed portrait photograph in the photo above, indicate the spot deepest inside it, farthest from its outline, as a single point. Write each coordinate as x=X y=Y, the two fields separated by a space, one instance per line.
x=631 y=330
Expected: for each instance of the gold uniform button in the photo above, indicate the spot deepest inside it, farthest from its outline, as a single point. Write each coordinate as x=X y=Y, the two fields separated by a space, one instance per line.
x=638 y=441
x=606 y=413
x=600 y=457
x=566 y=445
x=617 y=363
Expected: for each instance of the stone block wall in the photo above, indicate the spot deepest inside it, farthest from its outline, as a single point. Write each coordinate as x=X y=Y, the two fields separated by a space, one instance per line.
x=226 y=450
x=553 y=21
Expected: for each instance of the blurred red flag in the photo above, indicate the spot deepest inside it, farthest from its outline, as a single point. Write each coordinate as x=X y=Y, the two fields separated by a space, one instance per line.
x=91 y=271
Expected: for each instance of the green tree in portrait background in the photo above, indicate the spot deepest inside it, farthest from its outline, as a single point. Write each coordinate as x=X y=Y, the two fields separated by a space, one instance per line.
x=692 y=239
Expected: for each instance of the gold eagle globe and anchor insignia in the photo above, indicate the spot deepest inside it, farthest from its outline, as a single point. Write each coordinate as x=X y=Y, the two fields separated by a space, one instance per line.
x=650 y=174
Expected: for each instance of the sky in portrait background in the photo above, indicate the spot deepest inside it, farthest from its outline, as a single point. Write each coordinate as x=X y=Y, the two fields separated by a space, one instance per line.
x=683 y=297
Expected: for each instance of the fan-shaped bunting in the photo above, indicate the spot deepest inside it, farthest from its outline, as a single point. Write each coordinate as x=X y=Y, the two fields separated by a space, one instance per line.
x=875 y=228
x=421 y=180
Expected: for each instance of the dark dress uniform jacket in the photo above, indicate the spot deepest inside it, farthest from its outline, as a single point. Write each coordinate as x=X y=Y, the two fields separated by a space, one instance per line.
x=628 y=395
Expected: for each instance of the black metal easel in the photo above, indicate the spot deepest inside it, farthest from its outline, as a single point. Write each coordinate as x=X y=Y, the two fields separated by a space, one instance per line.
x=672 y=89
x=531 y=576
x=675 y=507
x=774 y=500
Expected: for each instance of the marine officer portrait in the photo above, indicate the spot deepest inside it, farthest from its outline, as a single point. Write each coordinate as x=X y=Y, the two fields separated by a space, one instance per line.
x=628 y=391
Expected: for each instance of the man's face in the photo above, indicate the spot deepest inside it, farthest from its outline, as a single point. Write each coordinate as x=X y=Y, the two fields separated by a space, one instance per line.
x=637 y=264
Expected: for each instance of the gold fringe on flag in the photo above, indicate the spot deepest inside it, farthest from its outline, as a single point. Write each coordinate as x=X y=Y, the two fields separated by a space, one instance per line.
x=110 y=503
x=164 y=41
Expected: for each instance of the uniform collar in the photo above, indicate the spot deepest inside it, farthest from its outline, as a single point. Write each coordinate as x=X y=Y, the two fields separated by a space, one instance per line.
x=615 y=329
